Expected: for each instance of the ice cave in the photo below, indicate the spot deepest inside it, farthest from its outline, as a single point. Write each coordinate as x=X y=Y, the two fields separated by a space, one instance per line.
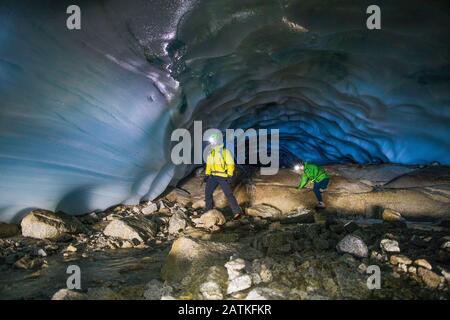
x=87 y=115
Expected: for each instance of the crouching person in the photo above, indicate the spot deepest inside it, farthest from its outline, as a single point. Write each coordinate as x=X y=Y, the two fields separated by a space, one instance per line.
x=316 y=174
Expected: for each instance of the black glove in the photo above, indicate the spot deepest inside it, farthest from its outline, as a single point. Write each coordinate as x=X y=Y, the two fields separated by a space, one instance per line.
x=205 y=179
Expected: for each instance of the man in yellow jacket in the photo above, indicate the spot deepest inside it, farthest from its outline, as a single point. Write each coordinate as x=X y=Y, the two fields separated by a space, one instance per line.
x=219 y=170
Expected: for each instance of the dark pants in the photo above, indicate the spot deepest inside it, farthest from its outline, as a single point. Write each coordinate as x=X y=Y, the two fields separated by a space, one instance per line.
x=211 y=185
x=320 y=185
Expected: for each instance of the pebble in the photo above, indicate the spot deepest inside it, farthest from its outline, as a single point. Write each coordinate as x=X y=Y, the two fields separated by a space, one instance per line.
x=390 y=246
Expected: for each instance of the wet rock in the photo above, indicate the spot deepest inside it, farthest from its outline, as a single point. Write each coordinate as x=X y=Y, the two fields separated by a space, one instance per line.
x=194 y=256
x=390 y=215
x=8 y=230
x=177 y=223
x=41 y=253
x=446 y=246
x=211 y=290
x=446 y=275
x=102 y=293
x=263 y=269
x=263 y=293
x=351 y=226
x=71 y=249
x=353 y=245
x=375 y=255
x=66 y=294
x=321 y=244
x=130 y=228
x=235 y=268
x=27 y=263
x=43 y=224
x=412 y=270
x=263 y=211
x=240 y=283
x=400 y=259
x=390 y=246
x=150 y=208
x=156 y=290
x=211 y=219
x=423 y=263
x=431 y=279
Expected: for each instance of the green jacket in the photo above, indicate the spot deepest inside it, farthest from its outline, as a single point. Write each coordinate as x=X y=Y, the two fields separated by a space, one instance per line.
x=314 y=173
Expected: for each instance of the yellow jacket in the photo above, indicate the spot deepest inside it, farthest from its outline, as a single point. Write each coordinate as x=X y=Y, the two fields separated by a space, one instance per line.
x=220 y=162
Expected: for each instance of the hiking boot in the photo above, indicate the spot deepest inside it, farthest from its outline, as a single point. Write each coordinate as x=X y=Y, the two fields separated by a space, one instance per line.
x=320 y=205
x=237 y=216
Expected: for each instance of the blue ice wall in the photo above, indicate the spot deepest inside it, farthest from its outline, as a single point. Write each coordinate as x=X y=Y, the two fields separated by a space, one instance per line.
x=86 y=116
x=83 y=118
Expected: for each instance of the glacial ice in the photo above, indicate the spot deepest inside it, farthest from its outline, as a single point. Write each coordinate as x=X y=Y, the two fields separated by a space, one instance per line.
x=86 y=115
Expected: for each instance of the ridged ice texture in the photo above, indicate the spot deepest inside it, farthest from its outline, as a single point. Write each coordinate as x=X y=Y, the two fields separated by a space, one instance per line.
x=86 y=116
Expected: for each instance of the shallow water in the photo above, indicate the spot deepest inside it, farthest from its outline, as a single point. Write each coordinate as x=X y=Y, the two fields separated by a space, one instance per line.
x=115 y=269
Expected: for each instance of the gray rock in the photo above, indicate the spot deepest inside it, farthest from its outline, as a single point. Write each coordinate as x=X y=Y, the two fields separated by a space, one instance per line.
x=390 y=246
x=235 y=268
x=240 y=283
x=177 y=223
x=150 y=208
x=353 y=245
x=211 y=290
x=43 y=224
x=156 y=290
x=129 y=228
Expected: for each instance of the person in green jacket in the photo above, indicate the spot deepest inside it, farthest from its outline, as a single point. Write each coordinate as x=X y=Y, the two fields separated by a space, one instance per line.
x=316 y=174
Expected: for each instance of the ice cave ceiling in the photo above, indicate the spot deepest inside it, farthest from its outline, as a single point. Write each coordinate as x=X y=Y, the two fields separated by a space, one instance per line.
x=86 y=115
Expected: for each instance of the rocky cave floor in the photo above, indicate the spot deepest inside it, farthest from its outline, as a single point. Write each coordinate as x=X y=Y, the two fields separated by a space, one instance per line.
x=164 y=250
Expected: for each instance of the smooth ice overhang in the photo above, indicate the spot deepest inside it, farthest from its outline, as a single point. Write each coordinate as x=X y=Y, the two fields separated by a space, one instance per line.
x=86 y=116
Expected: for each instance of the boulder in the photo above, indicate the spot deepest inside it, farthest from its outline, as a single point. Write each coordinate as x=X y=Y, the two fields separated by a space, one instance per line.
x=429 y=176
x=263 y=211
x=390 y=246
x=43 y=224
x=353 y=245
x=193 y=257
x=390 y=215
x=177 y=223
x=8 y=230
x=210 y=220
x=179 y=196
x=129 y=228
